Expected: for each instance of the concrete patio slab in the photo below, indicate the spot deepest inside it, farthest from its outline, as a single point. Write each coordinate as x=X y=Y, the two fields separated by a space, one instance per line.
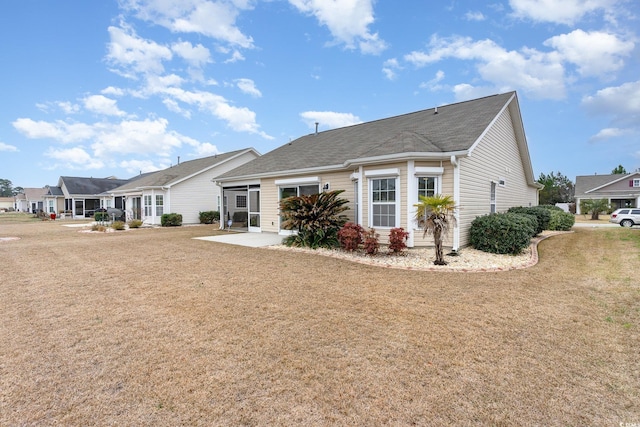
x=254 y=240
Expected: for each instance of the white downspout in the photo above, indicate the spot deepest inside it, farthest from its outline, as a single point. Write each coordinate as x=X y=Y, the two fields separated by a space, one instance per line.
x=456 y=200
x=411 y=192
x=222 y=218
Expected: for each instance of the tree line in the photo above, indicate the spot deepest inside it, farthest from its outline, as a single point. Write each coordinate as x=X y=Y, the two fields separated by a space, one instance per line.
x=8 y=190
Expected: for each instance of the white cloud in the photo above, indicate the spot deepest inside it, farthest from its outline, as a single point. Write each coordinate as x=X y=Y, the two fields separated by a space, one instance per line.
x=609 y=133
x=595 y=53
x=347 y=20
x=7 y=147
x=474 y=16
x=206 y=149
x=621 y=104
x=141 y=166
x=58 y=130
x=248 y=86
x=68 y=107
x=390 y=68
x=433 y=84
x=329 y=119
x=173 y=106
x=539 y=74
x=102 y=105
x=114 y=91
x=74 y=158
x=196 y=56
x=133 y=55
x=216 y=19
x=559 y=12
x=235 y=57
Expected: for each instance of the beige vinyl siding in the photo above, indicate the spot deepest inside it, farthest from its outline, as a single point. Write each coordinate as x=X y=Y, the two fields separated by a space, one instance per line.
x=199 y=193
x=495 y=157
x=446 y=189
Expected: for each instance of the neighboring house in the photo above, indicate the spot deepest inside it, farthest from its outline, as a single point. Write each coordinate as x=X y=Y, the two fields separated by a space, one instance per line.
x=7 y=204
x=621 y=190
x=54 y=201
x=186 y=188
x=82 y=196
x=475 y=151
x=31 y=200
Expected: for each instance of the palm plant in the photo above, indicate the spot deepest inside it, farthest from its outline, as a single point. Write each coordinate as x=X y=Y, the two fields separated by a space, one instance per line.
x=435 y=215
x=316 y=219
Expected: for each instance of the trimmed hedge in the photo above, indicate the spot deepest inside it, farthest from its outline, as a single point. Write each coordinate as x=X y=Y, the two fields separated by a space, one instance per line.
x=209 y=217
x=171 y=220
x=543 y=215
x=561 y=221
x=502 y=233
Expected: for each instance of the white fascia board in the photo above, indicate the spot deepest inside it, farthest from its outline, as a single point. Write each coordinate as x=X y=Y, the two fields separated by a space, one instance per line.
x=404 y=157
x=292 y=172
x=239 y=183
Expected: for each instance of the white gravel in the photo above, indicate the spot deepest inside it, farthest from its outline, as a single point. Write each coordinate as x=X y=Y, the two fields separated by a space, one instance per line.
x=467 y=259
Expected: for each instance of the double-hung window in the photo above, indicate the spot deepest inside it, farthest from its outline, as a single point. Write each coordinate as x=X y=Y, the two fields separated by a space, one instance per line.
x=383 y=202
x=427 y=186
x=159 y=204
x=636 y=182
x=148 y=206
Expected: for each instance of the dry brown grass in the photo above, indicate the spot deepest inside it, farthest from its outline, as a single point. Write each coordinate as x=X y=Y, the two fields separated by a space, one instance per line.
x=151 y=327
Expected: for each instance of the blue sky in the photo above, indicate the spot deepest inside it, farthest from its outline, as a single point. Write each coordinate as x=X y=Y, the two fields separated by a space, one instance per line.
x=115 y=88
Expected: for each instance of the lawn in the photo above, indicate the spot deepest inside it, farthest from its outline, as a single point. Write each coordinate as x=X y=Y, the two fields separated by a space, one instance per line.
x=151 y=327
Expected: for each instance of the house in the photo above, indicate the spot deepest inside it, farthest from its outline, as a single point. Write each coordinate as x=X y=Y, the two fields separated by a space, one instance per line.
x=185 y=188
x=7 y=204
x=621 y=190
x=54 y=200
x=475 y=151
x=31 y=200
x=82 y=196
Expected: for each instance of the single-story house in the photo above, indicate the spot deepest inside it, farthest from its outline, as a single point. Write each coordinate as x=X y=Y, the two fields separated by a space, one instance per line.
x=79 y=197
x=7 y=204
x=621 y=190
x=31 y=200
x=475 y=151
x=185 y=188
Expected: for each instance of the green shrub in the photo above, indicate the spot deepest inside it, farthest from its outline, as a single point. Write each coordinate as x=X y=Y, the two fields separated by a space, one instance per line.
x=316 y=218
x=561 y=221
x=171 y=220
x=543 y=215
x=117 y=225
x=350 y=237
x=209 y=217
x=135 y=223
x=551 y=207
x=501 y=233
x=101 y=216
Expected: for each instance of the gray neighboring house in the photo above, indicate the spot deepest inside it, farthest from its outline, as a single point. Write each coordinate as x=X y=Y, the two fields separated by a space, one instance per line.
x=475 y=151
x=621 y=190
x=186 y=188
x=82 y=196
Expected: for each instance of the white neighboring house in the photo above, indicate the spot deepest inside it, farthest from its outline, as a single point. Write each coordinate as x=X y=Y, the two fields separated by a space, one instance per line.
x=31 y=200
x=186 y=188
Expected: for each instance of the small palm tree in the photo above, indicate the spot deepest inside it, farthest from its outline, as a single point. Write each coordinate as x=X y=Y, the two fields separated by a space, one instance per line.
x=435 y=216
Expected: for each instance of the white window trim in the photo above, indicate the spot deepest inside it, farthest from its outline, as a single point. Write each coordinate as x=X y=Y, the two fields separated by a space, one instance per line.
x=636 y=182
x=383 y=173
x=396 y=202
x=240 y=196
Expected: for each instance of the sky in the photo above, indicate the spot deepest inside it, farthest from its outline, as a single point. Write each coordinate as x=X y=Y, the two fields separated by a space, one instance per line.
x=118 y=88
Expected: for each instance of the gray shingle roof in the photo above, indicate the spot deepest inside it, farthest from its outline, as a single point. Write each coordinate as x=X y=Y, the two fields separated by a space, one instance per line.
x=177 y=172
x=455 y=127
x=585 y=183
x=90 y=186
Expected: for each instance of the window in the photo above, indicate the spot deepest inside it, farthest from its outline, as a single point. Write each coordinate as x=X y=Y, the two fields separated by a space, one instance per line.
x=148 y=206
x=299 y=190
x=159 y=204
x=51 y=208
x=636 y=182
x=241 y=201
x=492 y=204
x=427 y=186
x=108 y=203
x=383 y=202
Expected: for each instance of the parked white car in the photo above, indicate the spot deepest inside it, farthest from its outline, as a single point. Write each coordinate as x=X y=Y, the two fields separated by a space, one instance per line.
x=626 y=217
